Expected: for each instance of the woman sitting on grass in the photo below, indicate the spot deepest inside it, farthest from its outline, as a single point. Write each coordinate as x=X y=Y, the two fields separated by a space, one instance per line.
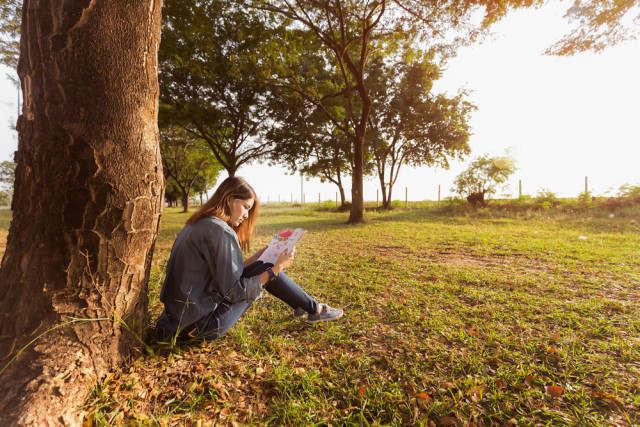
x=208 y=286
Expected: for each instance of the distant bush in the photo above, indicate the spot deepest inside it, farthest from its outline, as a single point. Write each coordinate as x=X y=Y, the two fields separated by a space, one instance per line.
x=546 y=198
x=614 y=203
x=585 y=198
x=630 y=191
x=628 y=195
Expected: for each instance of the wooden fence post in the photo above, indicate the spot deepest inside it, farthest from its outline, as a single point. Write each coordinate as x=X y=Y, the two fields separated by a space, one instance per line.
x=519 y=188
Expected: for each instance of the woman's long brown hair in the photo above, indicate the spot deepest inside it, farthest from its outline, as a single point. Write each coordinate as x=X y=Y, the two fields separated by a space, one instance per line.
x=219 y=204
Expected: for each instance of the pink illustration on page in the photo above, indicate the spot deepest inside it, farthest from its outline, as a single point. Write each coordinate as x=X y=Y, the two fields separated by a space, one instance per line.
x=286 y=239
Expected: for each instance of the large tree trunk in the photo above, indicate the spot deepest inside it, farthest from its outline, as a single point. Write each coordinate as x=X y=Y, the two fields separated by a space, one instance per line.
x=356 y=215
x=87 y=203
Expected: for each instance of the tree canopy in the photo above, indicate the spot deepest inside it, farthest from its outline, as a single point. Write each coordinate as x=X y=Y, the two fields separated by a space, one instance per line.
x=346 y=34
x=601 y=24
x=10 y=19
x=409 y=124
x=7 y=173
x=483 y=176
x=210 y=77
x=313 y=146
x=184 y=159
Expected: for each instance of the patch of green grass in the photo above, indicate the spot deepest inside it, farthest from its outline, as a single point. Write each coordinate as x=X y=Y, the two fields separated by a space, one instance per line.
x=490 y=317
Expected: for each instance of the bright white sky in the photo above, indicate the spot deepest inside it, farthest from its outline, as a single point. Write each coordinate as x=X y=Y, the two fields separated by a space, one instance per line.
x=564 y=117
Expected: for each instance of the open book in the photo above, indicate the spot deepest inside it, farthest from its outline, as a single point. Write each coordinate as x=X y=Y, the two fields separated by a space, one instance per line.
x=286 y=239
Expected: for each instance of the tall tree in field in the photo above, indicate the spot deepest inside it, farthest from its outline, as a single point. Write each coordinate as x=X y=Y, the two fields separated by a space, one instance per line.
x=483 y=176
x=184 y=159
x=351 y=30
x=210 y=78
x=409 y=124
x=348 y=32
x=87 y=202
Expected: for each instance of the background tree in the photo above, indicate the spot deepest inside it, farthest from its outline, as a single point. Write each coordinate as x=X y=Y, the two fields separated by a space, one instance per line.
x=347 y=33
x=10 y=18
x=172 y=193
x=601 y=24
x=7 y=177
x=86 y=207
x=210 y=77
x=312 y=146
x=483 y=176
x=409 y=124
x=7 y=173
x=205 y=181
x=327 y=62
x=184 y=158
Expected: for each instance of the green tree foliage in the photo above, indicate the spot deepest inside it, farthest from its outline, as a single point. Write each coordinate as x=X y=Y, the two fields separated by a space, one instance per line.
x=601 y=24
x=205 y=181
x=7 y=174
x=328 y=44
x=184 y=158
x=483 y=176
x=210 y=77
x=313 y=146
x=5 y=198
x=10 y=18
x=409 y=124
x=346 y=34
x=172 y=192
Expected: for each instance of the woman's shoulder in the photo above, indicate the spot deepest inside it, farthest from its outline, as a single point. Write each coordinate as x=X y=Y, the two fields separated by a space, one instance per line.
x=212 y=224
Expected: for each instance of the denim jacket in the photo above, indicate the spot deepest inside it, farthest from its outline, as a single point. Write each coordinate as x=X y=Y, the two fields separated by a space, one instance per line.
x=204 y=268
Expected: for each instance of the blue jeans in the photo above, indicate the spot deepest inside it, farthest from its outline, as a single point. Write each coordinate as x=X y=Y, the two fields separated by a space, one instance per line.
x=218 y=322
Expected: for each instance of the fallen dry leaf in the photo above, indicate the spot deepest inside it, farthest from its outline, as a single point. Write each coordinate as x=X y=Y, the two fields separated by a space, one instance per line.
x=362 y=391
x=448 y=421
x=424 y=397
x=529 y=381
x=554 y=391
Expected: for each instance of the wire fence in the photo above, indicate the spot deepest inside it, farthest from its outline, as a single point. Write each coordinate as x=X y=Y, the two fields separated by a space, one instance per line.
x=291 y=199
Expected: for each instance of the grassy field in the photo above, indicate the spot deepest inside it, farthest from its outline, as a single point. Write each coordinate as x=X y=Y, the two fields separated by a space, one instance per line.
x=451 y=319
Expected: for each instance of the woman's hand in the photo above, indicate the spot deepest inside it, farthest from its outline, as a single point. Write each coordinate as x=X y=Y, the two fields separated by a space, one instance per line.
x=253 y=258
x=284 y=260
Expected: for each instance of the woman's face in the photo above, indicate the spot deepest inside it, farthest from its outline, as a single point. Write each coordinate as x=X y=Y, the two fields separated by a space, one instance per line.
x=240 y=211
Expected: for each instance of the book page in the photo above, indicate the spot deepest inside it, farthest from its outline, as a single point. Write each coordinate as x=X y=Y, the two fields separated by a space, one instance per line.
x=285 y=239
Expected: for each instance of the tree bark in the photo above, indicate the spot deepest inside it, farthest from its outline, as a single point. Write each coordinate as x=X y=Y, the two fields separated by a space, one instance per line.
x=87 y=203
x=357 y=184
x=383 y=189
x=185 y=201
